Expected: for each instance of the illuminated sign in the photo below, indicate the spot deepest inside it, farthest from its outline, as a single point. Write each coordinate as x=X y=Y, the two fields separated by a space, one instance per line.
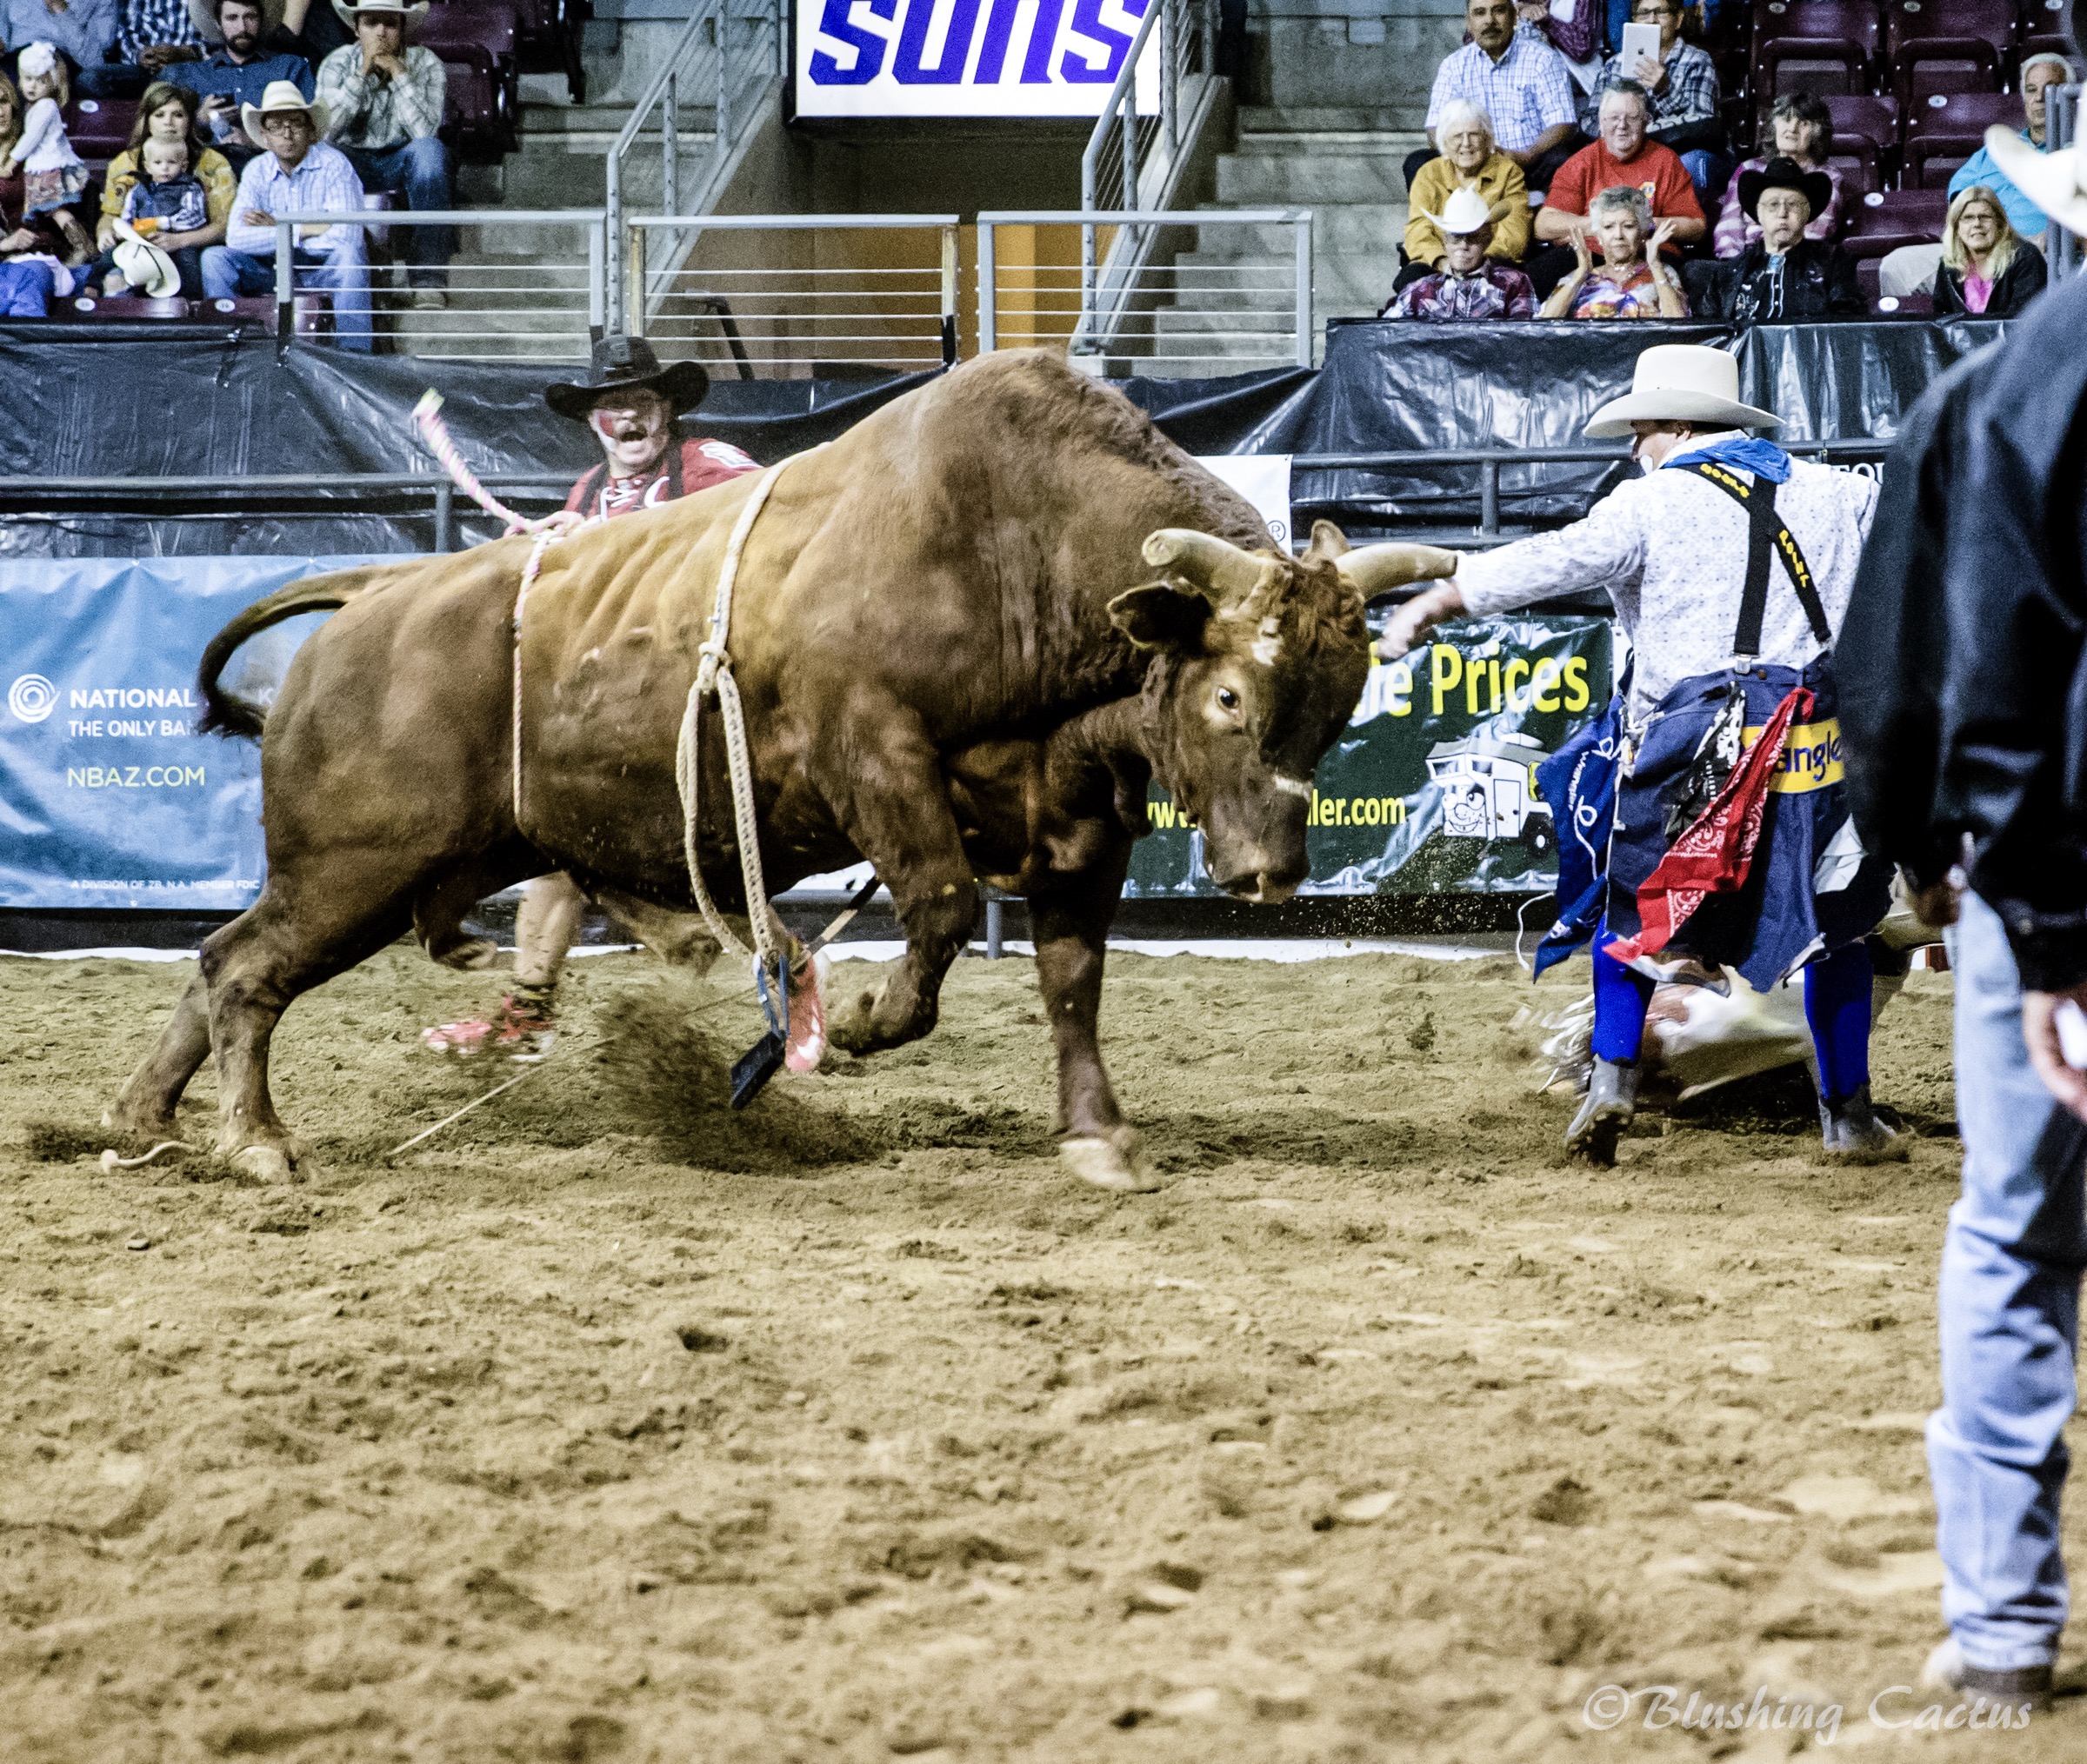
x=967 y=58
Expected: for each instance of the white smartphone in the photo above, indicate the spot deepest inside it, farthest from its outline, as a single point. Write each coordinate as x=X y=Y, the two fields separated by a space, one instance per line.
x=1639 y=40
x=2071 y=1024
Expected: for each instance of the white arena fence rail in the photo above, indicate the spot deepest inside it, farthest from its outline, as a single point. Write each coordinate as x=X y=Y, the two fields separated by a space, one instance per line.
x=1178 y=294
x=1130 y=155
x=546 y=304
x=2061 y=127
x=794 y=297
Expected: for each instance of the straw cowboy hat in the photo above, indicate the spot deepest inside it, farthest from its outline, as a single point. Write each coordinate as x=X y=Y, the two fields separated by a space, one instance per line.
x=1680 y=383
x=1779 y=173
x=277 y=95
x=627 y=362
x=1465 y=212
x=149 y=270
x=408 y=16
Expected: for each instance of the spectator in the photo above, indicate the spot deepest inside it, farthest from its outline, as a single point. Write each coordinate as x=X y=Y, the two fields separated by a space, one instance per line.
x=53 y=176
x=168 y=112
x=81 y=31
x=1682 y=87
x=1572 y=27
x=298 y=174
x=1468 y=161
x=1632 y=281
x=1469 y=284
x=152 y=35
x=1798 y=128
x=1623 y=157
x=166 y=208
x=31 y=270
x=1518 y=80
x=236 y=72
x=311 y=28
x=386 y=104
x=1987 y=269
x=2039 y=74
x=1784 y=277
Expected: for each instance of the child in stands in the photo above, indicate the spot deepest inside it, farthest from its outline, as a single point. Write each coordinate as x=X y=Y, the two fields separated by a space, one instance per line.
x=53 y=175
x=164 y=208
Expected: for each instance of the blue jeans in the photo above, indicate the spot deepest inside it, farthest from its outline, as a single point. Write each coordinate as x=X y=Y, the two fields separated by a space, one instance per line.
x=229 y=275
x=421 y=169
x=1709 y=173
x=25 y=290
x=2010 y=1315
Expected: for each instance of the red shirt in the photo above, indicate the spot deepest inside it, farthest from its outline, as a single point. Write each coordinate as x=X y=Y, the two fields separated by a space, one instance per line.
x=1658 y=171
x=703 y=463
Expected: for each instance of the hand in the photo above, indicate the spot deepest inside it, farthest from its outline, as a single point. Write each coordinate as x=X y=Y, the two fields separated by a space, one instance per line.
x=1937 y=904
x=1662 y=235
x=1531 y=11
x=1582 y=253
x=1417 y=618
x=2046 y=1053
x=1649 y=73
x=256 y=217
x=20 y=240
x=58 y=9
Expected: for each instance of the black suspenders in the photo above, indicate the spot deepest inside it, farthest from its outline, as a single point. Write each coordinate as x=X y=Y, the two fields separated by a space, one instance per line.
x=1765 y=530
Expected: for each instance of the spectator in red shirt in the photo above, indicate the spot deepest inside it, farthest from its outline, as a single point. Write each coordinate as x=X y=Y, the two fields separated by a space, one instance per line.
x=629 y=401
x=1625 y=157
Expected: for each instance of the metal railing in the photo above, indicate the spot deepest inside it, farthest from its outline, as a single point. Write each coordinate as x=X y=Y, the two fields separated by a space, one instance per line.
x=1156 y=308
x=859 y=292
x=2062 y=127
x=724 y=61
x=528 y=311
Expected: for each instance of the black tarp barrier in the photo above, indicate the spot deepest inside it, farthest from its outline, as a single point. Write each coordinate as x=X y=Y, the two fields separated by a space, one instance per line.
x=156 y=400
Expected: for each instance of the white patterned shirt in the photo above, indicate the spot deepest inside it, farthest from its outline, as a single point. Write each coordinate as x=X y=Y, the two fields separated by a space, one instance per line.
x=372 y=111
x=1670 y=549
x=1528 y=92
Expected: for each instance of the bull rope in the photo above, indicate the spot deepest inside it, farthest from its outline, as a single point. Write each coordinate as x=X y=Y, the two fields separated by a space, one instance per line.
x=713 y=674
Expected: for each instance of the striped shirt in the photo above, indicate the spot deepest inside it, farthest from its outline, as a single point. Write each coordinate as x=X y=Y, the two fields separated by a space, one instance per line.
x=324 y=182
x=369 y=110
x=1528 y=92
x=148 y=22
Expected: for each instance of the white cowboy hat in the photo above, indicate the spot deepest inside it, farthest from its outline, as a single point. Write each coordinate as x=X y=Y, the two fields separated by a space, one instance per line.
x=280 y=95
x=1680 y=383
x=148 y=270
x=2056 y=182
x=408 y=16
x=1466 y=211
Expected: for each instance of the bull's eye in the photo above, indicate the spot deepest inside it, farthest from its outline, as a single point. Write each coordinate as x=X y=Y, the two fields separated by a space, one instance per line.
x=1228 y=700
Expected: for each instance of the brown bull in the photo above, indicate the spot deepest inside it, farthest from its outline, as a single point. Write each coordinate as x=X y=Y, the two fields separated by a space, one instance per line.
x=953 y=665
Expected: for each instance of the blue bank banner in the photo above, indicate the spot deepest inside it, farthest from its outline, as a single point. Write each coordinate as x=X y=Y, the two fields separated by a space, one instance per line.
x=1433 y=785
x=107 y=797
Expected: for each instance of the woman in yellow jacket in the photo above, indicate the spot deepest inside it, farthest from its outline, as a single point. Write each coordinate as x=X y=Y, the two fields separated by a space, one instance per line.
x=1469 y=158
x=168 y=112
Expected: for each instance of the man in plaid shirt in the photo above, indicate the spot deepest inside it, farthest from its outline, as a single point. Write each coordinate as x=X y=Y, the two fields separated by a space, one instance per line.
x=152 y=35
x=383 y=105
x=1683 y=88
x=1519 y=81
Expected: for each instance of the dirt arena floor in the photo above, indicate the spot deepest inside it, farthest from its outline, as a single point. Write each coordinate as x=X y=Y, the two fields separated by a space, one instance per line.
x=617 y=1427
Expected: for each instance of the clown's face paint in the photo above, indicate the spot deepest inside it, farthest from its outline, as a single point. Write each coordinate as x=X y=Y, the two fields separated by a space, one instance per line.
x=633 y=427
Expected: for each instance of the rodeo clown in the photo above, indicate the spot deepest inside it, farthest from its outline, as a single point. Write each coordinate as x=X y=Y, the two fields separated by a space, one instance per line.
x=1730 y=566
x=629 y=402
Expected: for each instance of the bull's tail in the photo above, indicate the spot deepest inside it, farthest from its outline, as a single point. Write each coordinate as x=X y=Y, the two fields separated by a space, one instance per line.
x=227 y=716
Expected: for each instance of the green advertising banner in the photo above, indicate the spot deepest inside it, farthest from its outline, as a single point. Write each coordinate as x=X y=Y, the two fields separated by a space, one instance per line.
x=1433 y=787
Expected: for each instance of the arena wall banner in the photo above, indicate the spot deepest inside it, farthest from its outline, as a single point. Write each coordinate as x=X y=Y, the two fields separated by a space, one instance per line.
x=1433 y=787
x=107 y=798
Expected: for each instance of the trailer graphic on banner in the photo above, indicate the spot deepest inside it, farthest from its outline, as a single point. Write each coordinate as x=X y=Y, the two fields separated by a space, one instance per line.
x=1433 y=787
x=967 y=58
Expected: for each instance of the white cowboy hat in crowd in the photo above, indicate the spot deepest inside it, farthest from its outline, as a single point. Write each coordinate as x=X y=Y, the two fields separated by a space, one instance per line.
x=1680 y=383
x=2056 y=182
x=1465 y=212
x=408 y=16
x=280 y=95
x=149 y=270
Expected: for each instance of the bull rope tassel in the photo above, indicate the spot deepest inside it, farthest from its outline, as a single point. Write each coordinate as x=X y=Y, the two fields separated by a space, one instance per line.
x=435 y=435
x=714 y=674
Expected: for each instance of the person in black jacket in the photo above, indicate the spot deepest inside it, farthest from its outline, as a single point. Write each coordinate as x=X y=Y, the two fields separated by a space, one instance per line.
x=1964 y=661
x=1783 y=276
x=1987 y=269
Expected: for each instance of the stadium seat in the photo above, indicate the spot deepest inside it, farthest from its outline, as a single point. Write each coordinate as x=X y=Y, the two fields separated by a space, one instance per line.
x=1816 y=46
x=471 y=114
x=1857 y=163
x=1886 y=219
x=485 y=38
x=1897 y=305
x=1865 y=133
x=1947 y=46
x=312 y=311
x=549 y=39
x=100 y=128
x=1947 y=127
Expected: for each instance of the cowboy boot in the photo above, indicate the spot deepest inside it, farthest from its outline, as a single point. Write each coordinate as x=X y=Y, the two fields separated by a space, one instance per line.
x=1606 y=1111
x=1853 y=1135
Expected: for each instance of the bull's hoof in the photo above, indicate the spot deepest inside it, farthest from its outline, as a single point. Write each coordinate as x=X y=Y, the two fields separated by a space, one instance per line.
x=126 y=1121
x=472 y=955
x=265 y=1163
x=1116 y=1163
x=852 y=1027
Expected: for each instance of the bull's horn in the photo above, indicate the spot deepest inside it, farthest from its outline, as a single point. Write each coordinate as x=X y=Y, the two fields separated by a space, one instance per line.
x=1207 y=560
x=1375 y=569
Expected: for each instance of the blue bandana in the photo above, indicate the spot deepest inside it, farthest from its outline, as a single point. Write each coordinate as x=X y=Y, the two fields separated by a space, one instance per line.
x=1763 y=458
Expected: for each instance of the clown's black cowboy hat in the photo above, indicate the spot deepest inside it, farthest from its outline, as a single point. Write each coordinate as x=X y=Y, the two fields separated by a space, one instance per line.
x=626 y=363
x=1783 y=174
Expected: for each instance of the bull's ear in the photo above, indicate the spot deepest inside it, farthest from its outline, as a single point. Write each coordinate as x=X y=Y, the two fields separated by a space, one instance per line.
x=1328 y=543
x=1158 y=615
